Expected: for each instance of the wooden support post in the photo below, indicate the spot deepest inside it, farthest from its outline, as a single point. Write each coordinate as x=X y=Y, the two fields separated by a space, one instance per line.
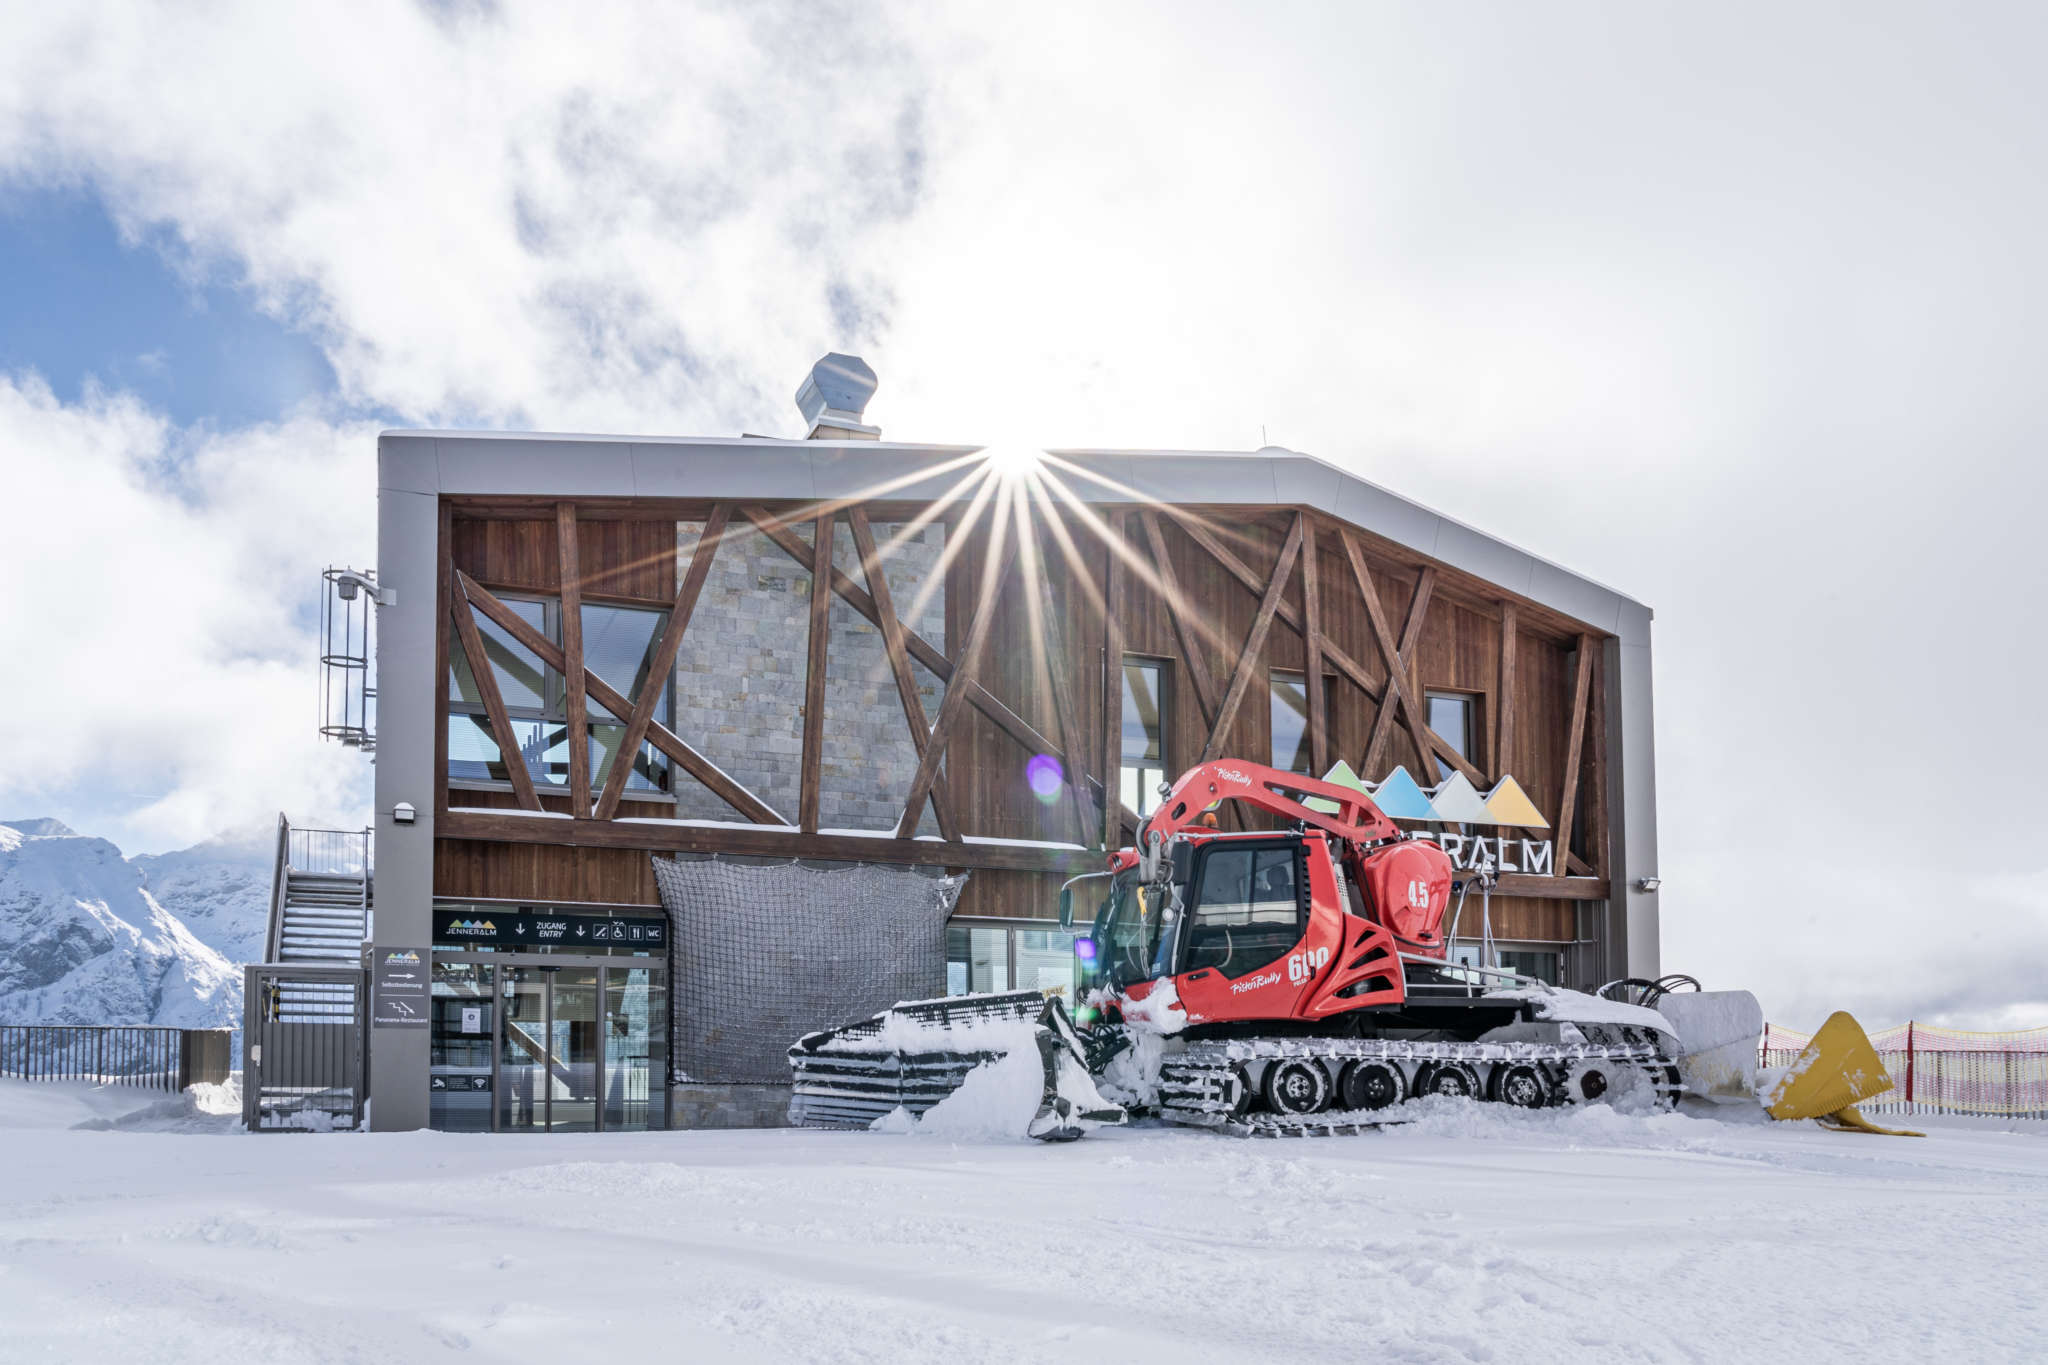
x=494 y=703
x=992 y=580
x=1064 y=713
x=1113 y=685
x=1505 y=692
x=1255 y=643
x=1194 y=649
x=812 y=779
x=1312 y=647
x=663 y=661
x=1567 y=801
x=899 y=661
x=572 y=662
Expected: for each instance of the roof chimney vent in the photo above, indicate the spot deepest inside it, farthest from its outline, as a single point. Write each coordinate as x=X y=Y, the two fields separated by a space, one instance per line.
x=833 y=396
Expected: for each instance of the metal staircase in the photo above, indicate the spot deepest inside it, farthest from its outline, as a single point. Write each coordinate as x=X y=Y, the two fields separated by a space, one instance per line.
x=320 y=906
x=325 y=917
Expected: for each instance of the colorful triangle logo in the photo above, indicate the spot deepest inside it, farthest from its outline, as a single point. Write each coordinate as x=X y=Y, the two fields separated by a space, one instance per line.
x=1458 y=802
x=1402 y=799
x=1508 y=804
x=1340 y=775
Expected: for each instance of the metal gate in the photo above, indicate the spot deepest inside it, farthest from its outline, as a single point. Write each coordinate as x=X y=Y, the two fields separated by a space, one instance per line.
x=304 y=1061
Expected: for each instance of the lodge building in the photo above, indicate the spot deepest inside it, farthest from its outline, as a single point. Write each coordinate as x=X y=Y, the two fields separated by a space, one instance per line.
x=841 y=652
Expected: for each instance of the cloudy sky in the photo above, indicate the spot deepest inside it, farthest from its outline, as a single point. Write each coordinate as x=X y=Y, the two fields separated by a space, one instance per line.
x=1736 y=308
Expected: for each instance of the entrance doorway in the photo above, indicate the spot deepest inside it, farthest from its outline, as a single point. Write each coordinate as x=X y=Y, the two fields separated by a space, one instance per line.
x=575 y=1046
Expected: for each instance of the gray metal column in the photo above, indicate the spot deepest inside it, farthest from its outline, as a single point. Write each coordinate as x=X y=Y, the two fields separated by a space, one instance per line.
x=1632 y=797
x=408 y=529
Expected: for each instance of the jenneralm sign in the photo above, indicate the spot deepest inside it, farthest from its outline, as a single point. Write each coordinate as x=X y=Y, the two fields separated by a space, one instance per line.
x=1455 y=801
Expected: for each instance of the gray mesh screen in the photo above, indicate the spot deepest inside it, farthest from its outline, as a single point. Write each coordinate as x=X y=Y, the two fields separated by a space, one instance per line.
x=764 y=955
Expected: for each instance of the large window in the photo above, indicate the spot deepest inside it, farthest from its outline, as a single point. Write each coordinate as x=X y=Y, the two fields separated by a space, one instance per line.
x=1291 y=748
x=1455 y=716
x=616 y=645
x=1248 y=912
x=1144 y=733
x=1004 y=957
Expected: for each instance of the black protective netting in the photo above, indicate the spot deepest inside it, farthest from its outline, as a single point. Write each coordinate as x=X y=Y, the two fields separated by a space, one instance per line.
x=763 y=955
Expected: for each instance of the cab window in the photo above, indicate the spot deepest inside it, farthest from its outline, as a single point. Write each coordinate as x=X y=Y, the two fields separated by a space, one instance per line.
x=1249 y=910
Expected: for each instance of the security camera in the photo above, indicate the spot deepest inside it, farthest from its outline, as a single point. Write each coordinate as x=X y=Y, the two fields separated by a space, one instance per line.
x=403 y=813
x=1648 y=883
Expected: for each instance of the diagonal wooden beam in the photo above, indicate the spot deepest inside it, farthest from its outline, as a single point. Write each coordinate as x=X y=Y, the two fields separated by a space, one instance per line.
x=609 y=697
x=955 y=700
x=577 y=712
x=1243 y=573
x=899 y=660
x=811 y=775
x=1255 y=641
x=1335 y=654
x=920 y=649
x=1568 y=793
x=1195 y=651
x=663 y=660
x=1312 y=647
x=494 y=702
x=1400 y=694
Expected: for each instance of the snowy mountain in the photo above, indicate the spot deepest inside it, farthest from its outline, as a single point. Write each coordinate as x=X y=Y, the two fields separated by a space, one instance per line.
x=220 y=889
x=84 y=941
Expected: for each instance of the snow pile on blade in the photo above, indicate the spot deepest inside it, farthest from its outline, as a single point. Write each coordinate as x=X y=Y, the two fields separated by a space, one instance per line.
x=917 y=1054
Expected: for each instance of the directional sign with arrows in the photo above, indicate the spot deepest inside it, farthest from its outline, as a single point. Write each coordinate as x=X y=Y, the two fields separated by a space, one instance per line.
x=524 y=927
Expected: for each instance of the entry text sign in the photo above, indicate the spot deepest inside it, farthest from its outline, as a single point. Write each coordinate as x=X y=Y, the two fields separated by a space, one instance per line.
x=398 y=988
x=511 y=928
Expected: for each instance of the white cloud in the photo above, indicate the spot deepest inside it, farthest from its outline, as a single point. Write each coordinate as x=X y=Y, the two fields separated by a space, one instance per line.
x=601 y=217
x=160 y=648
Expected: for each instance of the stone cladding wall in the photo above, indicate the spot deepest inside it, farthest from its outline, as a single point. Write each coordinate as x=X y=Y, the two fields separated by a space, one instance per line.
x=740 y=677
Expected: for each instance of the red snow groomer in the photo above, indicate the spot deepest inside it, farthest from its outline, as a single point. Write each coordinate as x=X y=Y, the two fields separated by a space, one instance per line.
x=1282 y=981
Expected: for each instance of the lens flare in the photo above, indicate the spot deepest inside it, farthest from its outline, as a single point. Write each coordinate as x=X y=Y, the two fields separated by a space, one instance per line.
x=1012 y=461
x=1084 y=948
x=1045 y=777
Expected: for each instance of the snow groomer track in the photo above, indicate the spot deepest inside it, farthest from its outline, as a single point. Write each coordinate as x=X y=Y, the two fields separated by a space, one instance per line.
x=1321 y=1087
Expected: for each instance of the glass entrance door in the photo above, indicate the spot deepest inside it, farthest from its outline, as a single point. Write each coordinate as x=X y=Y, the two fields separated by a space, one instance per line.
x=572 y=1056
x=635 y=1048
x=582 y=1048
x=523 y=1050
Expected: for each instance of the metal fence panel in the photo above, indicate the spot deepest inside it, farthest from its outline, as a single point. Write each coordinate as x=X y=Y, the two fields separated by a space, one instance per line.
x=1945 y=1071
x=115 y=1054
x=303 y=1068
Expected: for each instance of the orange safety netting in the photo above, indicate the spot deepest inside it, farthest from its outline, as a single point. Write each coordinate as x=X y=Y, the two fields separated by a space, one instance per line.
x=1944 y=1070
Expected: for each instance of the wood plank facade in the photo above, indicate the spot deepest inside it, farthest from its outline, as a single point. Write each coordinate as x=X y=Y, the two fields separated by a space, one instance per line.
x=1034 y=634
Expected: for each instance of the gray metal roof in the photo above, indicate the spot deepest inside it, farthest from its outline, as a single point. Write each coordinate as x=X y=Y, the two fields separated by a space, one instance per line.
x=547 y=465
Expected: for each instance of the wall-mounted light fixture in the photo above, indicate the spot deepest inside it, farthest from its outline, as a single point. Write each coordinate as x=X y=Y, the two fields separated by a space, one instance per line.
x=403 y=813
x=1648 y=883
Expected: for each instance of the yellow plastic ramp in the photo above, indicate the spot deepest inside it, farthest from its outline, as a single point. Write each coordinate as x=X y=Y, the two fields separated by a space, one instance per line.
x=1837 y=1068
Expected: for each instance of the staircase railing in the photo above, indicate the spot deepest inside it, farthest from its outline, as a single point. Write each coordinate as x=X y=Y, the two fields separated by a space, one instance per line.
x=278 y=877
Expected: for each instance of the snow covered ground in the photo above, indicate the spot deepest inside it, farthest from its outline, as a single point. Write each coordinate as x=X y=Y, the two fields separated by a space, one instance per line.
x=1469 y=1235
